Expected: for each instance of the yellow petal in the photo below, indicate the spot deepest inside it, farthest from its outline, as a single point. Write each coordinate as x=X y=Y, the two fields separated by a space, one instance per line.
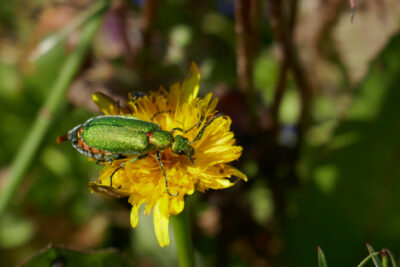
x=161 y=220
x=230 y=171
x=106 y=104
x=176 y=205
x=239 y=174
x=174 y=96
x=190 y=86
x=135 y=213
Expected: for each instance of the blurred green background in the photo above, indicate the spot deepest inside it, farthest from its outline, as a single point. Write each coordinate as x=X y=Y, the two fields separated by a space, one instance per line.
x=321 y=145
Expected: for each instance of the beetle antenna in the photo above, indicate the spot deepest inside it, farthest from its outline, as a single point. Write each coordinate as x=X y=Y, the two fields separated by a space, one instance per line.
x=188 y=130
x=177 y=129
x=136 y=94
x=196 y=125
x=158 y=113
x=201 y=132
x=158 y=157
x=191 y=159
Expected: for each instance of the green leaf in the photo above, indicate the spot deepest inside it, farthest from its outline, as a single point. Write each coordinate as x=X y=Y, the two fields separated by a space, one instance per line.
x=15 y=231
x=370 y=256
x=55 y=255
x=31 y=144
x=353 y=196
x=384 y=258
x=375 y=257
x=321 y=258
x=392 y=259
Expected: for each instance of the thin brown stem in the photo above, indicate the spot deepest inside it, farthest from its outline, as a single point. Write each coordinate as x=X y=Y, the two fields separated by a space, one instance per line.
x=246 y=21
x=329 y=13
x=281 y=32
x=283 y=25
x=149 y=13
x=284 y=71
x=279 y=92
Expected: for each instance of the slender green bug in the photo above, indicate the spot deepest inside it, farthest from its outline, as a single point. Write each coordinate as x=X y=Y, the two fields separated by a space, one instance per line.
x=109 y=138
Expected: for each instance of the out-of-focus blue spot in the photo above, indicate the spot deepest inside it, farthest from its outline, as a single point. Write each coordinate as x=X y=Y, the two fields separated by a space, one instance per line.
x=138 y=2
x=288 y=135
x=226 y=7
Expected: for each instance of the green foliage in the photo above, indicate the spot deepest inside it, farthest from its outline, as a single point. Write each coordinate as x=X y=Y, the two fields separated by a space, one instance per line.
x=321 y=258
x=343 y=206
x=15 y=231
x=54 y=255
x=373 y=257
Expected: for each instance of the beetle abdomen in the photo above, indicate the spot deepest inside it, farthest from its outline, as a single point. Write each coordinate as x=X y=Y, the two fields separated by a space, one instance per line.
x=116 y=139
x=112 y=137
x=75 y=136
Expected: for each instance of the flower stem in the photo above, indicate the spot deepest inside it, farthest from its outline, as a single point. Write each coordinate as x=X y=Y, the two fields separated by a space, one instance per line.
x=183 y=238
x=45 y=116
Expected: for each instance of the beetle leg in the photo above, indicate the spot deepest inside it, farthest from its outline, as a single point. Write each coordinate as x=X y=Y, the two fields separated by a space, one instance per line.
x=118 y=107
x=158 y=113
x=177 y=129
x=112 y=174
x=201 y=132
x=123 y=165
x=136 y=94
x=100 y=162
x=163 y=172
x=137 y=158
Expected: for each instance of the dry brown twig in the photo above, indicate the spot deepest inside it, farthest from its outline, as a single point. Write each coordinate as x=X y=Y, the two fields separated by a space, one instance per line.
x=247 y=13
x=281 y=32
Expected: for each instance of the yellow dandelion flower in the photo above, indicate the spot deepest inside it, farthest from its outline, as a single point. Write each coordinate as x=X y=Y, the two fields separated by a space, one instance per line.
x=143 y=180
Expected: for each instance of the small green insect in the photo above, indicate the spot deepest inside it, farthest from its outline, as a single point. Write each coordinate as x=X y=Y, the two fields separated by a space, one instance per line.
x=109 y=138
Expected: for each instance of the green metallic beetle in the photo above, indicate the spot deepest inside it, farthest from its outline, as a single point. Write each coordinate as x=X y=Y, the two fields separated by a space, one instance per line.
x=109 y=138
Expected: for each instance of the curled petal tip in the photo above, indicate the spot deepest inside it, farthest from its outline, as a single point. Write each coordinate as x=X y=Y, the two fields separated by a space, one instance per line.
x=105 y=103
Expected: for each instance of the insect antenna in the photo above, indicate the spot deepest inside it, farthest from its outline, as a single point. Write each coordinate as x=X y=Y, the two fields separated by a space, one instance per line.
x=158 y=113
x=190 y=158
x=188 y=130
x=197 y=124
x=201 y=132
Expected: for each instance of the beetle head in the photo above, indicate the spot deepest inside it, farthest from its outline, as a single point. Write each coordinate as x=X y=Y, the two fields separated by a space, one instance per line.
x=181 y=146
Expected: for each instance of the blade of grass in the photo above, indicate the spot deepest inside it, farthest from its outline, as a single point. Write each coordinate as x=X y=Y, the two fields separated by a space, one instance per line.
x=321 y=258
x=367 y=259
x=384 y=258
x=392 y=259
x=36 y=134
x=56 y=38
x=375 y=259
